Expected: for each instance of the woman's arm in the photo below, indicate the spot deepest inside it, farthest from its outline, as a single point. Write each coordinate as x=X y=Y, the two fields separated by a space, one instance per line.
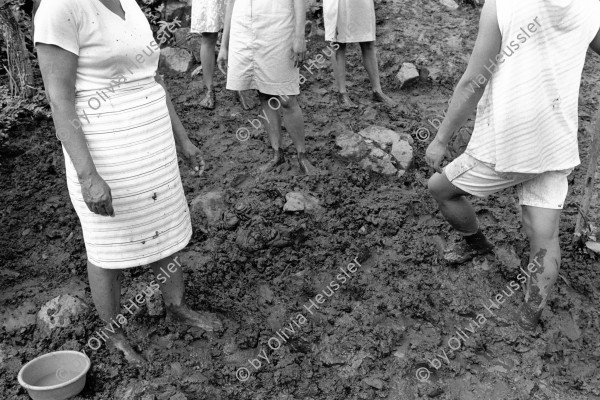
x=299 y=46
x=224 y=50
x=470 y=88
x=595 y=45
x=190 y=153
x=59 y=71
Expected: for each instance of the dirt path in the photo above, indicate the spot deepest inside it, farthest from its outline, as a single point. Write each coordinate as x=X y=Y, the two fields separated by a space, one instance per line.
x=393 y=316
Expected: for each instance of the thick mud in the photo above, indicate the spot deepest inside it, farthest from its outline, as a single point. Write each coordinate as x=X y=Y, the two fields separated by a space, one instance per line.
x=354 y=302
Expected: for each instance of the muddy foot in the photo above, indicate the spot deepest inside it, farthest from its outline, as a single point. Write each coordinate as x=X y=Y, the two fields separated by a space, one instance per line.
x=119 y=341
x=277 y=159
x=246 y=100
x=305 y=166
x=344 y=101
x=227 y=221
x=460 y=252
x=203 y=320
x=208 y=101
x=528 y=317
x=380 y=97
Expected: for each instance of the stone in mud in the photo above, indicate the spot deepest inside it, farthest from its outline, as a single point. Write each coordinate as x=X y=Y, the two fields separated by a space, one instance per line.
x=401 y=143
x=374 y=382
x=60 y=312
x=175 y=59
x=296 y=201
x=353 y=146
x=212 y=207
x=449 y=4
x=407 y=73
x=194 y=45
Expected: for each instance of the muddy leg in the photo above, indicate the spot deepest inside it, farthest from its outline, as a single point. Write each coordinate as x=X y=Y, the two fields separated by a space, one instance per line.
x=369 y=55
x=271 y=118
x=541 y=226
x=169 y=274
x=207 y=58
x=294 y=122
x=338 y=62
x=459 y=213
x=454 y=206
x=105 y=285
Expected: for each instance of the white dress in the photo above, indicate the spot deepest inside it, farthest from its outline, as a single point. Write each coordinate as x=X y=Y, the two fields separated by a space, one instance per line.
x=349 y=21
x=207 y=15
x=124 y=117
x=260 y=46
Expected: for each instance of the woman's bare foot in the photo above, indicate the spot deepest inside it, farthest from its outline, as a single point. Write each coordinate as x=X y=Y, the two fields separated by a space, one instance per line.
x=209 y=99
x=246 y=99
x=344 y=100
x=528 y=316
x=277 y=159
x=118 y=341
x=380 y=97
x=305 y=166
x=203 y=320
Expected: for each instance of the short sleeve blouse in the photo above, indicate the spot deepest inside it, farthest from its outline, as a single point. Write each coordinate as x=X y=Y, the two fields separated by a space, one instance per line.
x=108 y=46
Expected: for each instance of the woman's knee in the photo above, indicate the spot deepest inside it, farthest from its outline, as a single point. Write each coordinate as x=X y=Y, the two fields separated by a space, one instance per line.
x=436 y=187
x=541 y=223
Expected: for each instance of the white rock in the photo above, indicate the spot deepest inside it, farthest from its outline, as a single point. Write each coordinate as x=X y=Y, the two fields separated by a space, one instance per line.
x=60 y=312
x=297 y=201
x=178 y=60
x=449 y=4
x=353 y=145
x=401 y=143
x=407 y=73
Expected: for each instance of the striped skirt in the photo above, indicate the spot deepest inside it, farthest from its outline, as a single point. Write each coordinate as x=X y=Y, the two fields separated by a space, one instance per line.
x=130 y=139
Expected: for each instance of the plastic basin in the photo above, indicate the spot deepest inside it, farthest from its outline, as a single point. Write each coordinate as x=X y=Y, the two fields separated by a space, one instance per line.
x=55 y=376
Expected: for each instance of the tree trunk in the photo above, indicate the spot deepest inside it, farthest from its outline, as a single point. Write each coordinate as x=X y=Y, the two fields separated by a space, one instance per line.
x=20 y=74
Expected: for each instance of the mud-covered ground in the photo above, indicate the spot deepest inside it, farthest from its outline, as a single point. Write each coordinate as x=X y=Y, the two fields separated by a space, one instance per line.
x=391 y=318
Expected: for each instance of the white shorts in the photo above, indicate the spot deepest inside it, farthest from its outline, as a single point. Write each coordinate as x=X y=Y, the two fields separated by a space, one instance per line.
x=546 y=190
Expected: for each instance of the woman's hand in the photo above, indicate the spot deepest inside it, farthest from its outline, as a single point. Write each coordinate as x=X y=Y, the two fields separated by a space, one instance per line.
x=96 y=195
x=298 y=51
x=192 y=156
x=223 y=59
x=435 y=154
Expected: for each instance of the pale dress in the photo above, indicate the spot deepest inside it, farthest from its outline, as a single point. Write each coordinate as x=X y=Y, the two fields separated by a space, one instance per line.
x=349 y=21
x=127 y=127
x=260 y=47
x=207 y=15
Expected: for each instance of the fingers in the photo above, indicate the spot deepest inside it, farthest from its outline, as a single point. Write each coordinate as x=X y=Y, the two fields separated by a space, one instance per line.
x=222 y=63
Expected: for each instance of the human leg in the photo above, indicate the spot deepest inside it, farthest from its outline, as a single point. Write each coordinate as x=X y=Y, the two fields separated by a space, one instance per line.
x=105 y=285
x=169 y=273
x=541 y=227
x=338 y=62
x=207 y=58
x=369 y=55
x=272 y=123
x=294 y=122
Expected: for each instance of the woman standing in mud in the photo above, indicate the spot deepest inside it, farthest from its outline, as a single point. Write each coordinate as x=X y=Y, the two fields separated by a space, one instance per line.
x=524 y=77
x=119 y=134
x=207 y=19
x=353 y=21
x=263 y=47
